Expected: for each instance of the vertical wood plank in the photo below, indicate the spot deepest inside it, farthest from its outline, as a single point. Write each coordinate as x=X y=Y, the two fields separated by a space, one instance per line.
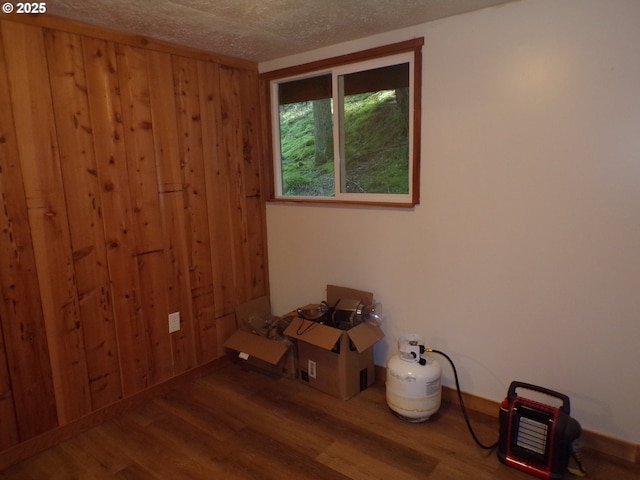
x=8 y=421
x=167 y=354
x=195 y=191
x=82 y=191
x=252 y=167
x=106 y=120
x=177 y=280
x=250 y=133
x=29 y=401
x=225 y=327
x=170 y=160
x=232 y=154
x=191 y=150
x=38 y=148
x=256 y=247
x=139 y=142
x=207 y=334
x=152 y=268
x=218 y=198
x=163 y=111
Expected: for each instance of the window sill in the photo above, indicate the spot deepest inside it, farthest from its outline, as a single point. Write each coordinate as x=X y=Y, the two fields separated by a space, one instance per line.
x=340 y=203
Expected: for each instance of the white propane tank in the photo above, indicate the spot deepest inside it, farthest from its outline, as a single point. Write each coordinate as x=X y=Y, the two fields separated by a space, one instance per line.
x=413 y=381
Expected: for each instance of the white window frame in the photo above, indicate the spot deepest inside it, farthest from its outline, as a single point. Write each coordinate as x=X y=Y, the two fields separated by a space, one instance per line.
x=409 y=199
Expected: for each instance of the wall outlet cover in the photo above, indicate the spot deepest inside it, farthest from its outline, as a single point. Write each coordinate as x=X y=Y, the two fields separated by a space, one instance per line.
x=174 y=322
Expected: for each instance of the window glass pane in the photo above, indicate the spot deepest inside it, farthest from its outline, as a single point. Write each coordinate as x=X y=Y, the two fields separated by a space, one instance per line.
x=375 y=132
x=306 y=137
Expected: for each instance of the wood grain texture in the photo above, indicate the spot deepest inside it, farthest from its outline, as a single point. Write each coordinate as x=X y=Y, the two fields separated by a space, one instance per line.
x=232 y=149
x=123 y=189
x=27 y=398
x=83 y=203
x=119 y=235
x=163 y=113
x=133 y=79
x=253 y=169
x=177 y=279
x=236 y=423
x=196 y=225
x=8 y=420
x=216 y=173
x=48 y=217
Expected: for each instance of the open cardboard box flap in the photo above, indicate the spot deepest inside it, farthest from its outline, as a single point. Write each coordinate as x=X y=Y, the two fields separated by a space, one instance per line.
x=363 y=335
x=314 y=333
x=335 y=293
x=270 y=351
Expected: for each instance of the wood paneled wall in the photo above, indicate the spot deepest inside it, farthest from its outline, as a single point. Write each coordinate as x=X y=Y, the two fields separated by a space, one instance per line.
x=130 y=186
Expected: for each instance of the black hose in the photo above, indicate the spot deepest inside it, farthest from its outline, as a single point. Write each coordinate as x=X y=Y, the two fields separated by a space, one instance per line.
x=462 y=407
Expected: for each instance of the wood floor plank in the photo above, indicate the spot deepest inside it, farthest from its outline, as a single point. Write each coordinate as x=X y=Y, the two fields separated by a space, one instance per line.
x=134 y=472
x=57 y=464
x=94 y=448
x=358 y=465
x=233 y=423
x=349 y=430
x=16 y=472
x=232 y=413
x=275 y=460
x=154 y=453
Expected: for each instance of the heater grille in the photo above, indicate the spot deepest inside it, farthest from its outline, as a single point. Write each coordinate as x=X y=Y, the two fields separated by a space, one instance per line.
x=532 y=435
x=531 y=431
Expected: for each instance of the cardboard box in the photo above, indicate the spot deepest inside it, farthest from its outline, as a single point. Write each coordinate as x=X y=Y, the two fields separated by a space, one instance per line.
x=337 y=362
x=259 y=341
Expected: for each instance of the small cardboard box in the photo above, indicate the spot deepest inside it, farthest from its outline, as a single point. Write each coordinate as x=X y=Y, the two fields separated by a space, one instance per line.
x=337 y=362
x=259 y=340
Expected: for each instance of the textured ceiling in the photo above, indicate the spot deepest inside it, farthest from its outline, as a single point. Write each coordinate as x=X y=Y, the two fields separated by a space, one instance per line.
x=259 y=30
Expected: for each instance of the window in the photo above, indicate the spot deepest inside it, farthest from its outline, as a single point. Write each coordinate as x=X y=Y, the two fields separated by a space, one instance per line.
x=347 y=129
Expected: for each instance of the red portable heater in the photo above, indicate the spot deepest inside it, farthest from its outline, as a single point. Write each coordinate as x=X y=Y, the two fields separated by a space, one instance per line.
x=535 y=437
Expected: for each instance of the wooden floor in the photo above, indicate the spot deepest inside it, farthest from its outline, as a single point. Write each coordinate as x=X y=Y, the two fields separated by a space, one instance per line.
x=234 y=423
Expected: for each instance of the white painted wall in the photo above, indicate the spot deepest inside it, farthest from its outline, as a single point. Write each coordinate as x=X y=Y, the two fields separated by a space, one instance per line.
x=522 y=261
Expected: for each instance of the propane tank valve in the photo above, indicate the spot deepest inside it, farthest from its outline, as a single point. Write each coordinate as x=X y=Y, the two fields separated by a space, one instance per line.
x=412 y=350
x=409 y=349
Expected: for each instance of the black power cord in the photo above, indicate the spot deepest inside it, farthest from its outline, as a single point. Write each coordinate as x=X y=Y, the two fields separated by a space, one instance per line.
x=462 y=407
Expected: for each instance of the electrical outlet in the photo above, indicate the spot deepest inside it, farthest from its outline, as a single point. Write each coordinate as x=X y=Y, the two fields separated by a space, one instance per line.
x=174 y=322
